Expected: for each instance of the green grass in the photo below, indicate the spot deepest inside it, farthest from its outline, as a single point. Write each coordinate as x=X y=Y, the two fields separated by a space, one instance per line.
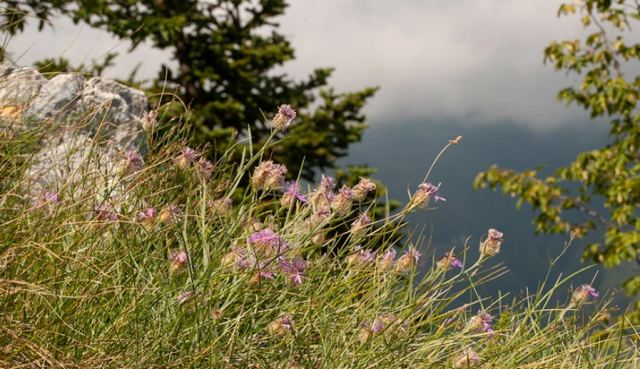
x=78 y=290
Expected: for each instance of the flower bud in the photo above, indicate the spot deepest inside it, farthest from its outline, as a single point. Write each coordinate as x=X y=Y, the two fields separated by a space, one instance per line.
x=362 y=189
x=283 y=118
x=177 y=261
x=386 y=261
x=149 y=120
x=480 y=323
x=268 y=176
x=323 y=195
x=205 y=168
x=169 y=214
x=267 y=243
x=104 y=213
x=491 y=245
x=292 y=194
x=281 y=326
x=582 y=293
x=423 y=195
x=448 y=261
x=132 y=161
x=359 y=226
x=148 y=217
x=186 y=158
x=361 y=258
x=341 y=204
x=238 y=259
x=468 y=359
x=408 y=261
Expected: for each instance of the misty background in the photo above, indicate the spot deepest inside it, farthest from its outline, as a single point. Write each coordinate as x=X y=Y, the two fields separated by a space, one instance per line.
x=446 y=68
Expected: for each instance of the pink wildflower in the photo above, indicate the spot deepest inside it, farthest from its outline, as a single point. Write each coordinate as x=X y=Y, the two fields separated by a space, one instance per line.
x=133 y=161
x=283 y=118
x=294 y=269
x=425 y=192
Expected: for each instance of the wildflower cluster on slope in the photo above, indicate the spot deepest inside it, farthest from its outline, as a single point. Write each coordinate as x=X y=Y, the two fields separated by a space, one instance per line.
x=189 y=269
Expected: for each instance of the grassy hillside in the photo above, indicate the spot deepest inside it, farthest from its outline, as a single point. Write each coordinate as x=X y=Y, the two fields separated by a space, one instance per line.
x=165 y=259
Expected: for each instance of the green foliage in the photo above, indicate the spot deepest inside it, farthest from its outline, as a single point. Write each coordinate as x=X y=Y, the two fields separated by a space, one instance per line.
x=609 y=175
x=51 y=67
x=86 y=281
x=227 y=54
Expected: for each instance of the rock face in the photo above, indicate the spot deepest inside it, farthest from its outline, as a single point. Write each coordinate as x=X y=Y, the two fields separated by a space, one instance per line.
x=93 y=122
x=18 y=86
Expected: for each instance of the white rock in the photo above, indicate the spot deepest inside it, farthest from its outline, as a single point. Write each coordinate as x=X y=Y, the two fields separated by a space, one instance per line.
x=57 y=98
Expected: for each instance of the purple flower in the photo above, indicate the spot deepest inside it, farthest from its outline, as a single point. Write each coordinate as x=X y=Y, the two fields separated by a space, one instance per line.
x=205 y=167
x=46 y=198
x=294 y=269
x=189 y=153
x=286 y=321
x=468 y=359
x=386 y=262
x=361 y=257
x=456 y=263
x=267 y=242
x=287 y=111
x=480 y=323
x=379 y=323
x=148 y=214
x=494 y=235
x=414 y=254
x=327 y=183
x=243 y=260
x=266 y=274
x=283 y=118
x=377 y=326
x=486 y=322
x=408 y=261
x=177 y=260
x=449 y=261
x=425 y=192
x=268 y=175
x=187 y=157
x=431 y=190
x=293 y=193
x=343 y=201
x=103 y=213
x=582 y=293
x=133 y=160
x=363 y=188
x=491 y=245
x=359 y=226
x=590 y=291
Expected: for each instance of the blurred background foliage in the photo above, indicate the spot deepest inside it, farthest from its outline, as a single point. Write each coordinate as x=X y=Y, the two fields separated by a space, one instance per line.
x=603 y=185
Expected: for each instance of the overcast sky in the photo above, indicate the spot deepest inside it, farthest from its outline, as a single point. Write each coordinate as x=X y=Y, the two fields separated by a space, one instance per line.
x=473 y=60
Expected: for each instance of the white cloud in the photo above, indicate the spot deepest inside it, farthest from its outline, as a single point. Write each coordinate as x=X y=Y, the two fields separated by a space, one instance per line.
x=478 y=60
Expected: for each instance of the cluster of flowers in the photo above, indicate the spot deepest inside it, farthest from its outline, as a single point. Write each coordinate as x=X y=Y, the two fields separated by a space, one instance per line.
x=324 y=200
x=265 y=254
x=189 y=157
x=386 y=324
x=363 y=259
x=149 y=217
